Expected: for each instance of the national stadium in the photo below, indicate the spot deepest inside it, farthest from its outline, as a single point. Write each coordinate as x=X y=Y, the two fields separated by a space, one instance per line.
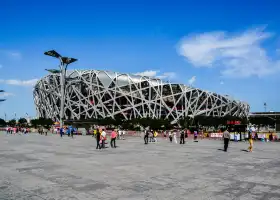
x=92 y=94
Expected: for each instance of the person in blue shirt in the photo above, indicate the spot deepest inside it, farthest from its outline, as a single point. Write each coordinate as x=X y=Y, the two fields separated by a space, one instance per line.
x=61 y=132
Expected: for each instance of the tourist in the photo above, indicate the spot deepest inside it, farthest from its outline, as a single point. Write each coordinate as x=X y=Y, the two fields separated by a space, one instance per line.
x=72 y=132
x=151 y=136
x=45 y=131
x=175 y=136
x=113 y=139
x=195 y=135
x=103 y=138
x=123 y=133
x=61 y=132
x=155 y=136
x=250 y=142
x=164 y=135
x=270 y=137
x=182 y=137
x=119 y=134
x=256 y=136
x=226 y=136
x=170 y=136
x=94 y=133
x=187 y=133
x=68 y=131
x=146 y=136
x=98 y=137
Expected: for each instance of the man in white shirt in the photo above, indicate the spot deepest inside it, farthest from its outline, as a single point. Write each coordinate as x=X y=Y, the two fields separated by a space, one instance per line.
x=103 y=137
x=226 y=137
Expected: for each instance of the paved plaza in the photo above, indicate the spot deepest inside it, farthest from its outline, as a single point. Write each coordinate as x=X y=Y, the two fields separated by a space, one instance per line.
x=48 y=167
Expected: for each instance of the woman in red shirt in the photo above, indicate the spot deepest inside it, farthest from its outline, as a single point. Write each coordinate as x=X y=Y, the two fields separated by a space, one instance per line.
x=113 y=139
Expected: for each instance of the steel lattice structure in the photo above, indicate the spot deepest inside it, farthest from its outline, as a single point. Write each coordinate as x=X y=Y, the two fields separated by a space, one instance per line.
x=95 y=94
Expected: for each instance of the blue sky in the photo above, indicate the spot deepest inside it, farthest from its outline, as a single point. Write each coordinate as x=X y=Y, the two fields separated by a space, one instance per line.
x=228 y=47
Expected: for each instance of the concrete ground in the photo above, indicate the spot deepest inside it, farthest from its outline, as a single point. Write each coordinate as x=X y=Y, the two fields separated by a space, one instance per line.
x=48 y=167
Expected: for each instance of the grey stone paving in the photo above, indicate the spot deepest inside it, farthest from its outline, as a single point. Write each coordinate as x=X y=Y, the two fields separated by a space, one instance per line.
x=48 y=167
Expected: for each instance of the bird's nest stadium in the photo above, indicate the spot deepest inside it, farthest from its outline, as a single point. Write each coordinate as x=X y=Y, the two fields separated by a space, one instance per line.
x=95 y=94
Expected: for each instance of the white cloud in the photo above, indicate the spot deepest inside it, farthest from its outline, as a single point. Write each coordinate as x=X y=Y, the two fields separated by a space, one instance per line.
x=15 y=54
x=30 y=82
x=6 y=94
x=12 y=54
x=167 y=75
x=222 y=82
x=157 y=74
x=192 y=80
x=239 y=55
x=150 y=73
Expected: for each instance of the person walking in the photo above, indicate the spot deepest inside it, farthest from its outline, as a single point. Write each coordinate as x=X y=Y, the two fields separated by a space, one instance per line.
x=170 y=136
x=175 y=136
x=155 y=136
x=98 y=137
x=45 y=131
x=151 y=136
x=94 y=133
x=226 y=136
x=103 y=138
x=182 y=137
x=195 y=135
x=165 y=135
x=61 y=132
x=146 y=137
x=113 y=139
x=250 y=142
x=72 y=132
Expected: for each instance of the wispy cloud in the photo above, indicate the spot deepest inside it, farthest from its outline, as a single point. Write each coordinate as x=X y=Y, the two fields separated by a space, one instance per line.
x=6 y=94
x=11 y=54
x=192 y=80
x=167 y=75
x=30 y=82
x=222 y=82
x=157 y=74
x=15 y=55
x=238 y=55
x=150 y=73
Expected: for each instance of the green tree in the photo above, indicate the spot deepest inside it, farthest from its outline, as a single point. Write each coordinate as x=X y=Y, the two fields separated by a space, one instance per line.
x=34 y=123
x=2 y=122
x=22 y=121
x=12 y=122
x=47 y=123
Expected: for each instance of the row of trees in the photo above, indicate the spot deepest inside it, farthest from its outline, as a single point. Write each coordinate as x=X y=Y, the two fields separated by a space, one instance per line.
x=157 y=124
x=136 y=124
x=22 y=122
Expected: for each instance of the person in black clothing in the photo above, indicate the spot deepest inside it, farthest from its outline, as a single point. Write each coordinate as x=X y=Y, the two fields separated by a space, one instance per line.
x=270 y=137
x=98 y=136
x=146 y=137
x=72 y=132
x=182 y=137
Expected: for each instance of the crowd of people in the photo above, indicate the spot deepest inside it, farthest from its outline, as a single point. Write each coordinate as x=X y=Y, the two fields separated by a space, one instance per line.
x=14 y=130
x=101 y=137
x=150 y=136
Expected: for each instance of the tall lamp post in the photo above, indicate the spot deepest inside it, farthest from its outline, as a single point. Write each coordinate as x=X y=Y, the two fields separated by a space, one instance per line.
x=64 y=62
x=2 y=91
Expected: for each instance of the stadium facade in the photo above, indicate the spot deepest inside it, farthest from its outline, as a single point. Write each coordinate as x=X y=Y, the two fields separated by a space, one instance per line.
x=95 y=93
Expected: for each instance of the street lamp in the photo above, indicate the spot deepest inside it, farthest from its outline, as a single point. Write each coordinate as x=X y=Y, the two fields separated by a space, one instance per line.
x=64 y=62
x=3 y=95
